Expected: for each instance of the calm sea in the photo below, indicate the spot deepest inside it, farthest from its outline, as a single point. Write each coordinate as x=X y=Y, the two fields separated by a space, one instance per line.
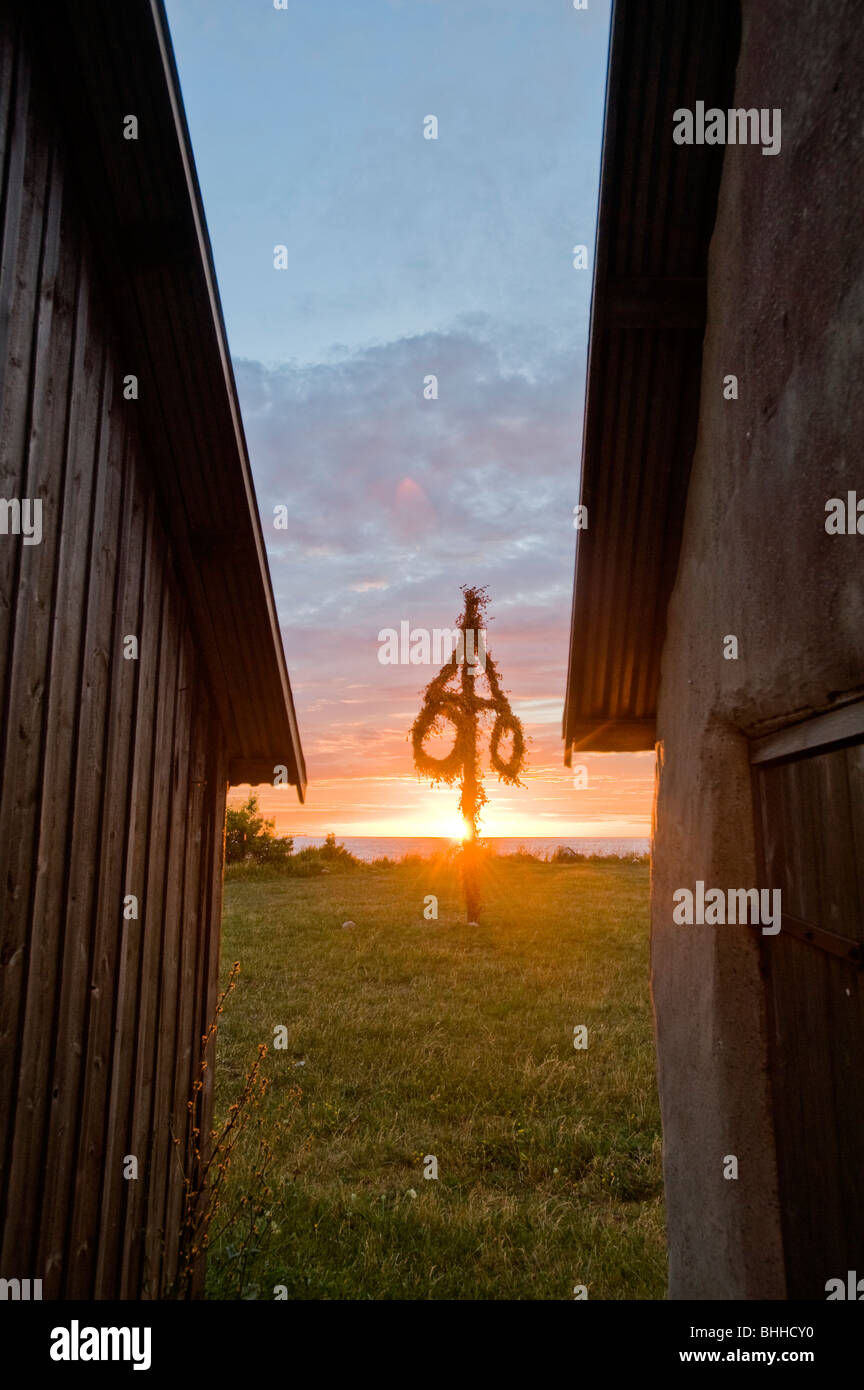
x=380 y=847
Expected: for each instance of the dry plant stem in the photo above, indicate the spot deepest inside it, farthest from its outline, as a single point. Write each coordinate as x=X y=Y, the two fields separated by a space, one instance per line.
x=202 y=1183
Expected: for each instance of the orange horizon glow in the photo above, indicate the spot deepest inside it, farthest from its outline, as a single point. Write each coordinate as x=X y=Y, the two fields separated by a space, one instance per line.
x=614 y=807
x=362 y=781
x=355 y=728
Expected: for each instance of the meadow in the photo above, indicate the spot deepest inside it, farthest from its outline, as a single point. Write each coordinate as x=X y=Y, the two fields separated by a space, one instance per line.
x=407 y=1039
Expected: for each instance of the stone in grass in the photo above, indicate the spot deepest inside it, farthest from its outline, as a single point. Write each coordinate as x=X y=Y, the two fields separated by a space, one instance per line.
x=349 y=924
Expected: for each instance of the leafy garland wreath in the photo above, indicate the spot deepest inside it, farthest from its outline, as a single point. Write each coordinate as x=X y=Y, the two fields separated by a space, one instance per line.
x=461 y=710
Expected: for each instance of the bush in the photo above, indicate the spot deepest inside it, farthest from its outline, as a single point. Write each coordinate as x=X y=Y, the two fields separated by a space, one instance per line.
x=336 y=854
x=319 y=859
x=563 y=854
x=254 y=852
x=251 y=839
x=523 y=855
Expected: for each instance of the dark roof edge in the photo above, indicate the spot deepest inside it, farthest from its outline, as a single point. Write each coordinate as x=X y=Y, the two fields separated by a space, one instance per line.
x=596 y=296
x=160 y=20
x=610 y=736
x=655 y=217
x=143 y=207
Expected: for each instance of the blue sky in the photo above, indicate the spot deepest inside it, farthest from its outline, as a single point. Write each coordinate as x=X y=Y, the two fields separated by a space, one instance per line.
x=307 y=130
x=409 y=256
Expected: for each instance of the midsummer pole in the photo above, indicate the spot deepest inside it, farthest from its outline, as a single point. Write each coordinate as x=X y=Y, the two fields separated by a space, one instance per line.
x=463 y=708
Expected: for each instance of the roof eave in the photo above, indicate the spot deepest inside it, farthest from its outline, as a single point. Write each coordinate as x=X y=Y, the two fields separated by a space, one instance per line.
x=146 y=220
x=655 y=218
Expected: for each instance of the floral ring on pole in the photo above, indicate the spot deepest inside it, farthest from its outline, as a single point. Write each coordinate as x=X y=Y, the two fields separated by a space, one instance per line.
x=444 y=769
x=507 y=723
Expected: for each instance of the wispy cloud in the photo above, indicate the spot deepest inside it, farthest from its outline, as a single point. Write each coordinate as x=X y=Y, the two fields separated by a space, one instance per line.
x=392 y=502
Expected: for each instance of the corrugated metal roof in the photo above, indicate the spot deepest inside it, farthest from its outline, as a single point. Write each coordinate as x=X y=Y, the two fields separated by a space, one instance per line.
x=656 y=215
x=147 y=220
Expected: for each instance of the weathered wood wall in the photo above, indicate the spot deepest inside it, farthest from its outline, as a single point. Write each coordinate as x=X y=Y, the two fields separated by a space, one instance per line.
x=113 y=770
x=810 y=827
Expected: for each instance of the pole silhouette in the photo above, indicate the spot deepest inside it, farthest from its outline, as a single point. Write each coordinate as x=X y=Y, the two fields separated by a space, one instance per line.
x=452 y=698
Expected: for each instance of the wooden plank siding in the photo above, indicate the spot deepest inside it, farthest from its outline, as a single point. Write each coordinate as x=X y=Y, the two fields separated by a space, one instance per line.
x=114 y=771
x=809 y=805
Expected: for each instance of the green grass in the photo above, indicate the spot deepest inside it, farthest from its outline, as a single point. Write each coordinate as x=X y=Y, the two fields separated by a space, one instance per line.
x=435 y=1038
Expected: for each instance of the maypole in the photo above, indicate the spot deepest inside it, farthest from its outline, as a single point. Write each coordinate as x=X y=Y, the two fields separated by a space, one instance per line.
x=460 y=705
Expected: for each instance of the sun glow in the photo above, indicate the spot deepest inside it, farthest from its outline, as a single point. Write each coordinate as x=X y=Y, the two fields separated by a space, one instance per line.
x=457 y=830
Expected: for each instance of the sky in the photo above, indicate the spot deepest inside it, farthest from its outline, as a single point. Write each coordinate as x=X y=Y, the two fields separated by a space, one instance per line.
x=406 y=257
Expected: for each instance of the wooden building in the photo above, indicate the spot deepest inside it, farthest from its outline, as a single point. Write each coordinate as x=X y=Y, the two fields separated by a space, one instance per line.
x=141 y=665
x=719 y=611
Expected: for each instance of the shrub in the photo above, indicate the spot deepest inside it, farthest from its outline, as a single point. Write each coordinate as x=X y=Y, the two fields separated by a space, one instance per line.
x=249 y=838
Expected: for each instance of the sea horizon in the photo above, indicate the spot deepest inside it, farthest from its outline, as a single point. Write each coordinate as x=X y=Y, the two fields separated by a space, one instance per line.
x=398 y=846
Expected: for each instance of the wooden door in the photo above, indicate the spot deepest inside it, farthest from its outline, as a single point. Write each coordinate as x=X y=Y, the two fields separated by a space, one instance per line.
x=808 y=783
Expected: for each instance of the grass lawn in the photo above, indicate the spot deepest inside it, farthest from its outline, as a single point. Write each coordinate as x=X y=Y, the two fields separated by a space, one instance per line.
x=412 y=1038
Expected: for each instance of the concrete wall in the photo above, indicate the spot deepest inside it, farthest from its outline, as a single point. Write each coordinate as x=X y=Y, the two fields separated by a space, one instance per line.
x=786 y=315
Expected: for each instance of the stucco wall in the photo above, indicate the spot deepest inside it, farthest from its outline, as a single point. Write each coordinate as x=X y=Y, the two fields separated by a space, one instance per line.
x=786 y=315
